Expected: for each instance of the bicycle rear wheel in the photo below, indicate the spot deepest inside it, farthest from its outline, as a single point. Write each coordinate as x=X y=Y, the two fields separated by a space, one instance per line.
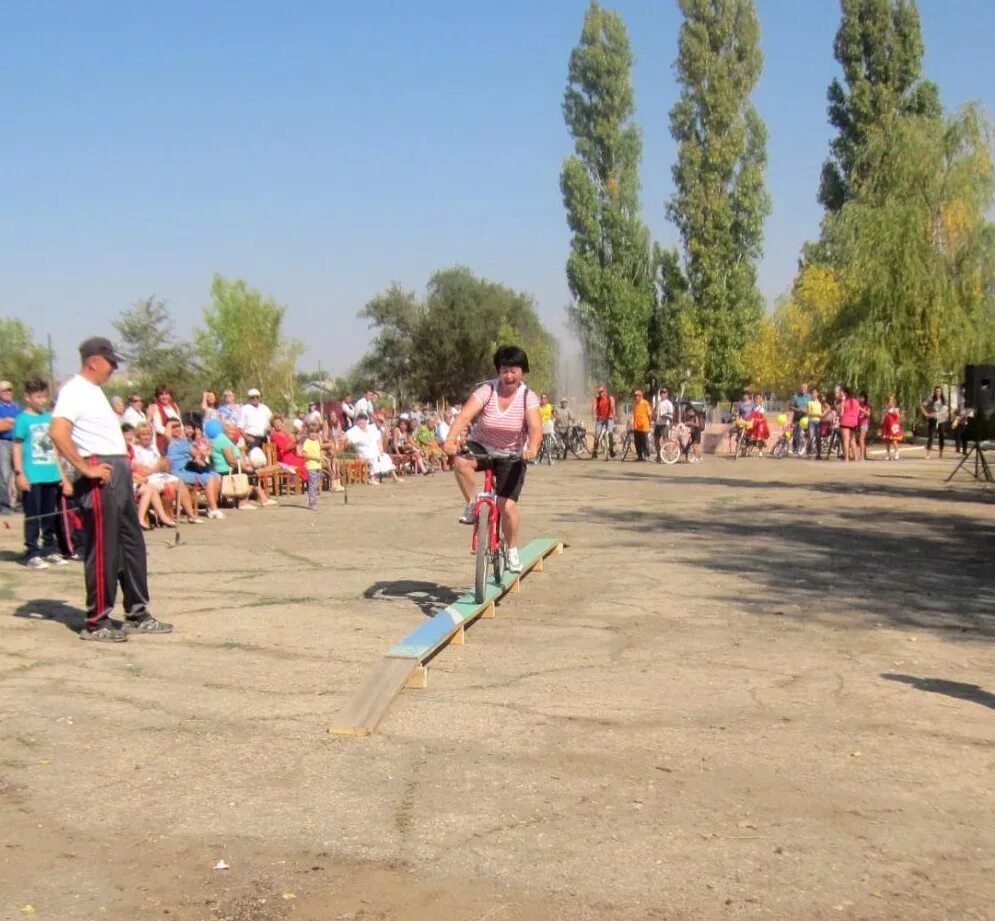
x=670 y=452
x=626 y=447
x=780 y=449
x=579 y=448
x=483 y=551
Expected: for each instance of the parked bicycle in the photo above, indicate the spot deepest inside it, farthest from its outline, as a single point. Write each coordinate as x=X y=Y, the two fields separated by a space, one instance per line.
x=575 y=442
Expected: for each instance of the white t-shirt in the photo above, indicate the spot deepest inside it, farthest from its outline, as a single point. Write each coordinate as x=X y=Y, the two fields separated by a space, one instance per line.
x=254 y=420
x=664 y=408
x=363 y=405
x=96 y=427
x=147 y=457
x=132 y=416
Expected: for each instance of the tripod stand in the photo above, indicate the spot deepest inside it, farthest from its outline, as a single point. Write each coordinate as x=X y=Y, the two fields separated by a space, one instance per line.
x=981 y=469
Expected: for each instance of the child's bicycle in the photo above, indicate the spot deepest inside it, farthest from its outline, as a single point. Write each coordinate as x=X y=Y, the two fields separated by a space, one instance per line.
x=783 y=446
x=486 y=543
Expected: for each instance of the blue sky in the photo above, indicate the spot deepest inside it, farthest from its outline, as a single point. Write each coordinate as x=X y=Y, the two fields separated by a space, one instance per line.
x=322 y=150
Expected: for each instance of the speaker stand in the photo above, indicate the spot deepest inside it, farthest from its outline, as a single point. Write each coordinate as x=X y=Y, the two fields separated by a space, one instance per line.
x=981 y=469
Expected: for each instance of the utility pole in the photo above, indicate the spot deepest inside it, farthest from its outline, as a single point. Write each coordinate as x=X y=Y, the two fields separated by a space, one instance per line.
x=51 y=363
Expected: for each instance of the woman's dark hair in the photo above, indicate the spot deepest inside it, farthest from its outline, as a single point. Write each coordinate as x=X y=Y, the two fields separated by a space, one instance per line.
x=161 y=389
x=511 y=356
x=942 y=397
x=864 y=396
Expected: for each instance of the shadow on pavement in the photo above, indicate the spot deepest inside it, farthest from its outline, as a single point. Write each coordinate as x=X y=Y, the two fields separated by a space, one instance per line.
x=53 y=609
x=429 y=596
x=972 y=692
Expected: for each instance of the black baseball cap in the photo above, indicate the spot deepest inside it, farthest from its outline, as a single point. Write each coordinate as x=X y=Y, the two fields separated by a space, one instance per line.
x=98 y=345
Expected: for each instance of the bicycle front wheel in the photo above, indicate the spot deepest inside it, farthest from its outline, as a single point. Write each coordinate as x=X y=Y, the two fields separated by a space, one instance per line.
x=780 y=449
x=483 y=551
x=670 y=452
x=626 y=447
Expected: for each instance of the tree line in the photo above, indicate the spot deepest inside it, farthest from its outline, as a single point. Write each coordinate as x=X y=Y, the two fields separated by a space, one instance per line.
x=894 y=296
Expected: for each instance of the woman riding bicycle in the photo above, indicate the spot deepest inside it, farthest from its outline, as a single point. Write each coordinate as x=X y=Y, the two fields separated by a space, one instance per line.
x=505 y=417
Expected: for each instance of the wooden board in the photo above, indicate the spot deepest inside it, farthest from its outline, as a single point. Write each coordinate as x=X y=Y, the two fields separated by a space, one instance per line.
x=372 y=698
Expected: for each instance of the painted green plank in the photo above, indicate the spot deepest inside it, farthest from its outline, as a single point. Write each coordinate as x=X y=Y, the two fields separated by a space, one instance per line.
x=429 y=636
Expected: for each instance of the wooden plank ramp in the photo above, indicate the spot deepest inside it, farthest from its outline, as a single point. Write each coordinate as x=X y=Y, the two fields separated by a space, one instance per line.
x=404 y=663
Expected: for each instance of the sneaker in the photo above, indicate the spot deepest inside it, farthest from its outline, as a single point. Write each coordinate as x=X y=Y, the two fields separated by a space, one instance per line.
x=247 y=506
x=513 y=560
x=76 y=557
x=56 y=559
x=146 y=623
x=338 y=487
x=215 y=513
x=468 y=516
x=270 y=502
x=36 y=562
x=104 y=632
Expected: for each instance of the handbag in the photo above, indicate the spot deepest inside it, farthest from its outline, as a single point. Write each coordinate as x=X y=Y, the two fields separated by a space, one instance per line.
x=235 y=485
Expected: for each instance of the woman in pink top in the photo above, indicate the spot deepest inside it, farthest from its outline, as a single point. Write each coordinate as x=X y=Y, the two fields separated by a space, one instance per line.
x=505 y=417
x=849 y=420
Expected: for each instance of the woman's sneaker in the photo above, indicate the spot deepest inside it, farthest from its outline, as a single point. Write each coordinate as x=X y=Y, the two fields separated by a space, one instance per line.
x=215 y=513
x=513 y=560
x=468 y=516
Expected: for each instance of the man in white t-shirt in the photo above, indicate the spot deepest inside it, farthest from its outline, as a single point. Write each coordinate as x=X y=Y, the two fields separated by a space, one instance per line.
x=255 y=418
x=366 y=405
x=87 y=433
x=663 y=419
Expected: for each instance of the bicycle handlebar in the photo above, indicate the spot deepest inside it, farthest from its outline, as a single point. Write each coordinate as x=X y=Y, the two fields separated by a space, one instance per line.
x=492 y=455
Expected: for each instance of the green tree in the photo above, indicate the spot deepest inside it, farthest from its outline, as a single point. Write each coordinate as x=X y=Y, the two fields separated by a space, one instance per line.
x=720 y=200
x=671 y=339
x=879 y=47
x=21 y=358
x=609 y=268
x=153 y=353
x=390 y=362
x=914 y=255
x=242 y=344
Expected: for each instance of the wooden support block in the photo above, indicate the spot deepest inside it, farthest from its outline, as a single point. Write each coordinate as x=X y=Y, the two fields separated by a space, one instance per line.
x=558 y=549
x=489 y=612
x=459 y=637
x=538 y=566
x=515 y=587
x=418 y=678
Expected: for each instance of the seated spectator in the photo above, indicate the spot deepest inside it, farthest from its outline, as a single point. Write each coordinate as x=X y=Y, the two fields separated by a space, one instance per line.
x=300 y=421
x=368 y=443
x=406 y=446
x=145 y=492
x=287 y=454
x=428 y=444
x=117 y=404
x=134 y=414
x=226 y=457
x=255 y=419
x=193 y=472
x=147 y=461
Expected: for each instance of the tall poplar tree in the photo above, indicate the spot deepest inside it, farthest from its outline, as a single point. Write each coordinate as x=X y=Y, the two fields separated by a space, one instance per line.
x=879 y=46
x=720 y=200
x=609 y=269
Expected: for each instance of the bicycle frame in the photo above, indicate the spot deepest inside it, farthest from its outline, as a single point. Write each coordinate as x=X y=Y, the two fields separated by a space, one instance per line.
x=487 y=496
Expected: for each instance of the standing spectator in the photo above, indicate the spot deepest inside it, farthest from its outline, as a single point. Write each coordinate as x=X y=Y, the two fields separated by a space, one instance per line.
x=39 y=477
x=9 y=410
x=603 y=410
x=799 y=408
x=134 y=415
x=229 y=409
x=88 y=435
x=255 y=419
x=366 y=405
x=849 y=420
x=892 y=429
x=663 y=419
x=548 y=430
x=936 y=413
x=563 y=420
x=863 y=424
x=814 y=412
x=642 y=414
x=959 y=424
x=209 y=407
x=348 y=407
x=160 y=414
x=311 y=451
x=695 y=423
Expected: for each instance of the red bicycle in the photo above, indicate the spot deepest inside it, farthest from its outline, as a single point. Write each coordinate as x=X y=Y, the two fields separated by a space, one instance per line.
x=486 y=542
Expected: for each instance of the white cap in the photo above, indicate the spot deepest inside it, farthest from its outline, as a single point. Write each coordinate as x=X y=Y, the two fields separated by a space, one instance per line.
x=252 y=392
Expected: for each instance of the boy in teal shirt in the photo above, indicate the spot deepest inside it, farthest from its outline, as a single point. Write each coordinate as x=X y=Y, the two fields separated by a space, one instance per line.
x=39 y=477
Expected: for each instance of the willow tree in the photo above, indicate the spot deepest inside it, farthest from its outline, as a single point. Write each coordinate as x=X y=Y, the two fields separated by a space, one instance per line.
x=879 y=46
x=720 y=199
x=914 y=254
x=609 y=268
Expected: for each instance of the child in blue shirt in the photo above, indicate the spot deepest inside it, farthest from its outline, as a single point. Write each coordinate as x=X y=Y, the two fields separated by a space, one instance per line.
x=39 y=477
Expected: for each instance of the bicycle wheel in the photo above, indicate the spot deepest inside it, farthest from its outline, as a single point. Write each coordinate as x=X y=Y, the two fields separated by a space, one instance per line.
x=580 y=448
x=670 y=452
x=626 y=447
x=497 y=564
x=483 y=551
x=780 y=449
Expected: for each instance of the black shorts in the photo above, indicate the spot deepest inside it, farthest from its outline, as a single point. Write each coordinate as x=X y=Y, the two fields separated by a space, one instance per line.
x=695 y=435
x=660 y=429
x=509 y=476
